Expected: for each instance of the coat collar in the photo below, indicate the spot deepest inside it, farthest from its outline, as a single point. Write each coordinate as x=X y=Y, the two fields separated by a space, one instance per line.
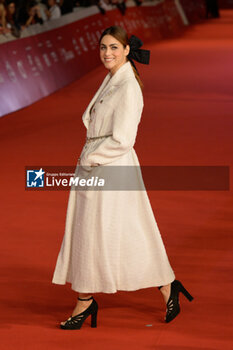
x=123 y=73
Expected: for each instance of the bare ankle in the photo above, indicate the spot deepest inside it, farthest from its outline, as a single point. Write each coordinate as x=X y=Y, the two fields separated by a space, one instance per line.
x=84 y=296
x=165 y=287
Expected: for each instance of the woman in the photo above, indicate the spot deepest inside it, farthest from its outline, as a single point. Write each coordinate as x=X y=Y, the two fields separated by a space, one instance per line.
x=3 y=28
x=11 y=19
x=112 y=241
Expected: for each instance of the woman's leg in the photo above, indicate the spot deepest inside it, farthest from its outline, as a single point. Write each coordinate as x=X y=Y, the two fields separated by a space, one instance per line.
x=84 y=295
x=81 y=305
x=165 y=290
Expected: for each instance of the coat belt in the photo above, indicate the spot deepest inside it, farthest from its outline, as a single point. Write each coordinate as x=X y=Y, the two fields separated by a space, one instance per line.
x=90 y=139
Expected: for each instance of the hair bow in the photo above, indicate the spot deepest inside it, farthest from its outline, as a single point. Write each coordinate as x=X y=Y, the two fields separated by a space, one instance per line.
x=137 y=54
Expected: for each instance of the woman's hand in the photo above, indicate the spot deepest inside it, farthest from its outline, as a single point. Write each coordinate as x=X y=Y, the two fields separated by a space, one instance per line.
x=85 y=167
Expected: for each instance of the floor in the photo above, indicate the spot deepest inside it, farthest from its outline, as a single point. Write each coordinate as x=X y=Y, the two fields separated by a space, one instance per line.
x=187 y=120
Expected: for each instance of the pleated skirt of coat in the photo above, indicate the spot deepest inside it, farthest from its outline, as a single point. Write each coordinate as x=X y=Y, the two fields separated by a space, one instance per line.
x=112 y=241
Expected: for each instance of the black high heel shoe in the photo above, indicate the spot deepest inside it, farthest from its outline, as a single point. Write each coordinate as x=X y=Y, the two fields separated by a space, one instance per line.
x=75 y=322
x=173 y=304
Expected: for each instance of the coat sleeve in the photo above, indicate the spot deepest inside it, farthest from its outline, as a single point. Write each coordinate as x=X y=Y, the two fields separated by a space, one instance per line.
x=126 y=117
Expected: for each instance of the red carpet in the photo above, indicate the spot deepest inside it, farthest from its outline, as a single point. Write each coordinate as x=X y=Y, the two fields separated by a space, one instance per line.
x=187 y=120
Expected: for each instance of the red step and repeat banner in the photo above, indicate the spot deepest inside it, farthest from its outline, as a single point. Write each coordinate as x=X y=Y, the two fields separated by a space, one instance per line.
x=195 y=10
x=36 y=66
x=227 y=4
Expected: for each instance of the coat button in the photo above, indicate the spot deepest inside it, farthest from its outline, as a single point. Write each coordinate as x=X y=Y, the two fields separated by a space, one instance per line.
x=101 y=101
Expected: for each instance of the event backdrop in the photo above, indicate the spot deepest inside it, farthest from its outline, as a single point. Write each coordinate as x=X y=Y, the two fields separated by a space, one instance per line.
x=225 y=3
x=195 y=10
x=36 y=66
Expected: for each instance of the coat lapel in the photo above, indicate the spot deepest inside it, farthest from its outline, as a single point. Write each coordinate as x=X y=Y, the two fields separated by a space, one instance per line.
x=117 y=79
x=124 y=72
x=85 y=116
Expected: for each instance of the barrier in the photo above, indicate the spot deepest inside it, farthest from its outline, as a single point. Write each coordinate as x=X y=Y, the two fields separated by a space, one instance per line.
x=195 y=10
x=34 y=67
x=226 y=4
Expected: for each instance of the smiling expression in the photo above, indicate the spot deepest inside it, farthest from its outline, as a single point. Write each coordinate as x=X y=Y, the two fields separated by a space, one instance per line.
x=112 y=53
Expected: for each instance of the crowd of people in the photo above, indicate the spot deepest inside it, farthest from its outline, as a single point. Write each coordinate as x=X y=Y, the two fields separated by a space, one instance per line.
x=212 y=8
x=16 y=15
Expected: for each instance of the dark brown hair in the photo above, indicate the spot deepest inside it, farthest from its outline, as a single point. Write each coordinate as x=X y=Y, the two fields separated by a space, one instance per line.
x=121 y=35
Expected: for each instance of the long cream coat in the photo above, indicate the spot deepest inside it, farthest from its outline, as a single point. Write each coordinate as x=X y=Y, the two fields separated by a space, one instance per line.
x=112 y=241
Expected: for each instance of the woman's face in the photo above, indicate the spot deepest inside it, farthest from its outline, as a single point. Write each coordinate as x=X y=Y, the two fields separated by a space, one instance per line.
x=112 y=53
x=11 y=8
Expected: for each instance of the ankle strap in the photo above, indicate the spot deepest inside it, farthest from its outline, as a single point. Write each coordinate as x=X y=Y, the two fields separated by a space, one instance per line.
x=85 y=299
